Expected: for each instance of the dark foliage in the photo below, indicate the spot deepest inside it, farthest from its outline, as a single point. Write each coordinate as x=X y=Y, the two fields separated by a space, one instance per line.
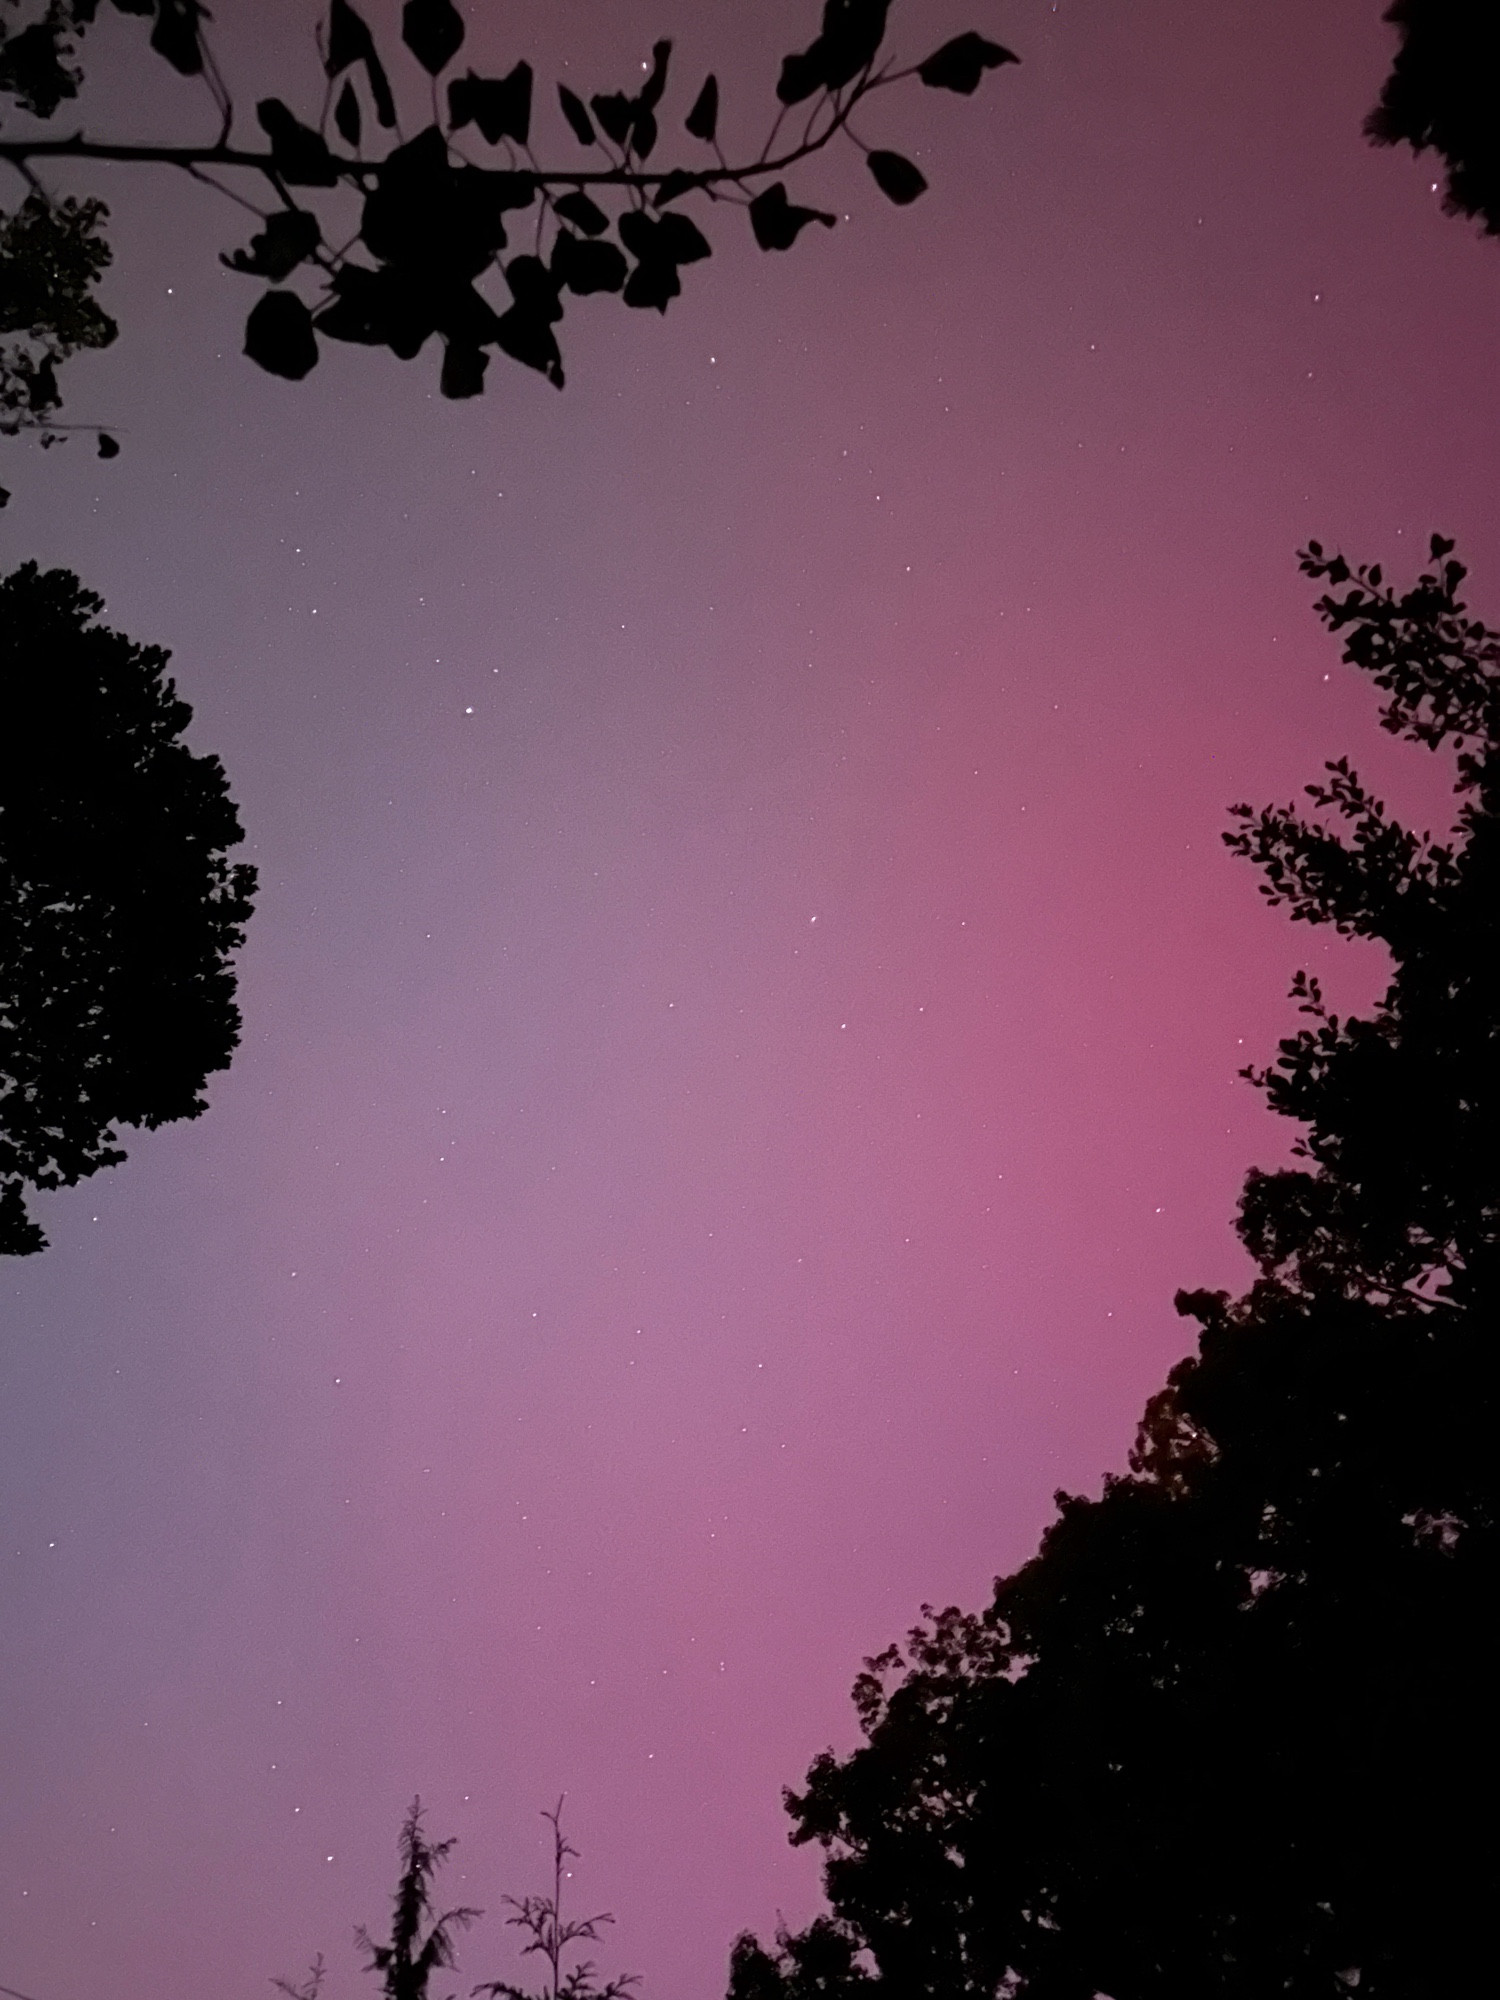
x=553 y=1938
x=1230 y=1732
x=51 y=257
x=119 y=908
x=1443 y=92
x=411 y=241
x=420 y=1942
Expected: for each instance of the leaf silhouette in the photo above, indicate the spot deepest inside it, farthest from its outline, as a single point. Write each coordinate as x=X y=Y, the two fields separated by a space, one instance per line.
x=656 y=82
x=530 y=340
x=299 y=154
x=896 y=177
x=434 y=32
x=175 y=35
x=349 y=39
x=959 y=64
x=358 y=310
x=108 y=446
x=801 y=75
x=534 y=288
x=674 y=184
x=703 y=119
x=681 y=239
x=852 y=33
x=346 y=116
x=616 y=114
x=349 y=42
x=279 y=336
x=463 y=371
x=652 y=285
x=576 y=115
x=582 y=213
x=290 y=236
x=778 y=222
x=586 y=267
x=499 y=106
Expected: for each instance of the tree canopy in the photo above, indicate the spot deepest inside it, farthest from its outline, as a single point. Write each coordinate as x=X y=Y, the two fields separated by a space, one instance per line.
x=1443 y=93
x=119 y=905
x=1230 y=1731
x=383 y=236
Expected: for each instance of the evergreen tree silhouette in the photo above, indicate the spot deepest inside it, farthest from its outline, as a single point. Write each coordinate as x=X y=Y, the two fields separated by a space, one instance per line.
x=421 y=1942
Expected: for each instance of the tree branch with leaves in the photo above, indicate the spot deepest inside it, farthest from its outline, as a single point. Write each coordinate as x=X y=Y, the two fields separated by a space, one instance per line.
x=459 y=230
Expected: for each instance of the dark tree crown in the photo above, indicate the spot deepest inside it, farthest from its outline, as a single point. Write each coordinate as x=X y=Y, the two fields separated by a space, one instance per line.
x=1443 y=93
x=1219 y=1737
x=119 y=906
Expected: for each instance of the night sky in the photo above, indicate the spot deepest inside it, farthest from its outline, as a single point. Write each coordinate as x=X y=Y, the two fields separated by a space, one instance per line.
x=742 y=1019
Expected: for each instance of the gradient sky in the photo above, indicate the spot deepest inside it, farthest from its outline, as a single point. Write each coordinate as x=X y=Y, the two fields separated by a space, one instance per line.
x=742 y=1018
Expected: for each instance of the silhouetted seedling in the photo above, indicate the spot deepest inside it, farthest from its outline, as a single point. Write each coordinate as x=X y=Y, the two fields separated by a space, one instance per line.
x=552 y=1936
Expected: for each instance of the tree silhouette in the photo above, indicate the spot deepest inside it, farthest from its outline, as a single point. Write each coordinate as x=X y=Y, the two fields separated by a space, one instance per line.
x=552 y=1936
x=119 y=907
x=51 y=256
x=1230 y=1731
x=421 y=1942
x=1443 y=92
x=390 y=242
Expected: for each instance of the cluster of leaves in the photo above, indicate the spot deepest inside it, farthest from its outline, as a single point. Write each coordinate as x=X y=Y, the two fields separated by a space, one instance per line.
x=52 y=253
x=427 y=250
x=423 y=1941
x=39 y=59
x=1220 y=1735
x=119 y=907
x=433 y=222
x=51 y=256
x=1443 y=93
x=1400 y=1193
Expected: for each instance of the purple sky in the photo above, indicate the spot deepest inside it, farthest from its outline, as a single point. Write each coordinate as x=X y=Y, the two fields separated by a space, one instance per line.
x=720 y=1124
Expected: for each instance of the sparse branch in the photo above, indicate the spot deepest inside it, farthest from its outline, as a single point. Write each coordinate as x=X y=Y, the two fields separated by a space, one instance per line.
x=551 y=1934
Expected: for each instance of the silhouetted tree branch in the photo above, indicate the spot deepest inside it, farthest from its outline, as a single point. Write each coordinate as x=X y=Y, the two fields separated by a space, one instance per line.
x=391 y=246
